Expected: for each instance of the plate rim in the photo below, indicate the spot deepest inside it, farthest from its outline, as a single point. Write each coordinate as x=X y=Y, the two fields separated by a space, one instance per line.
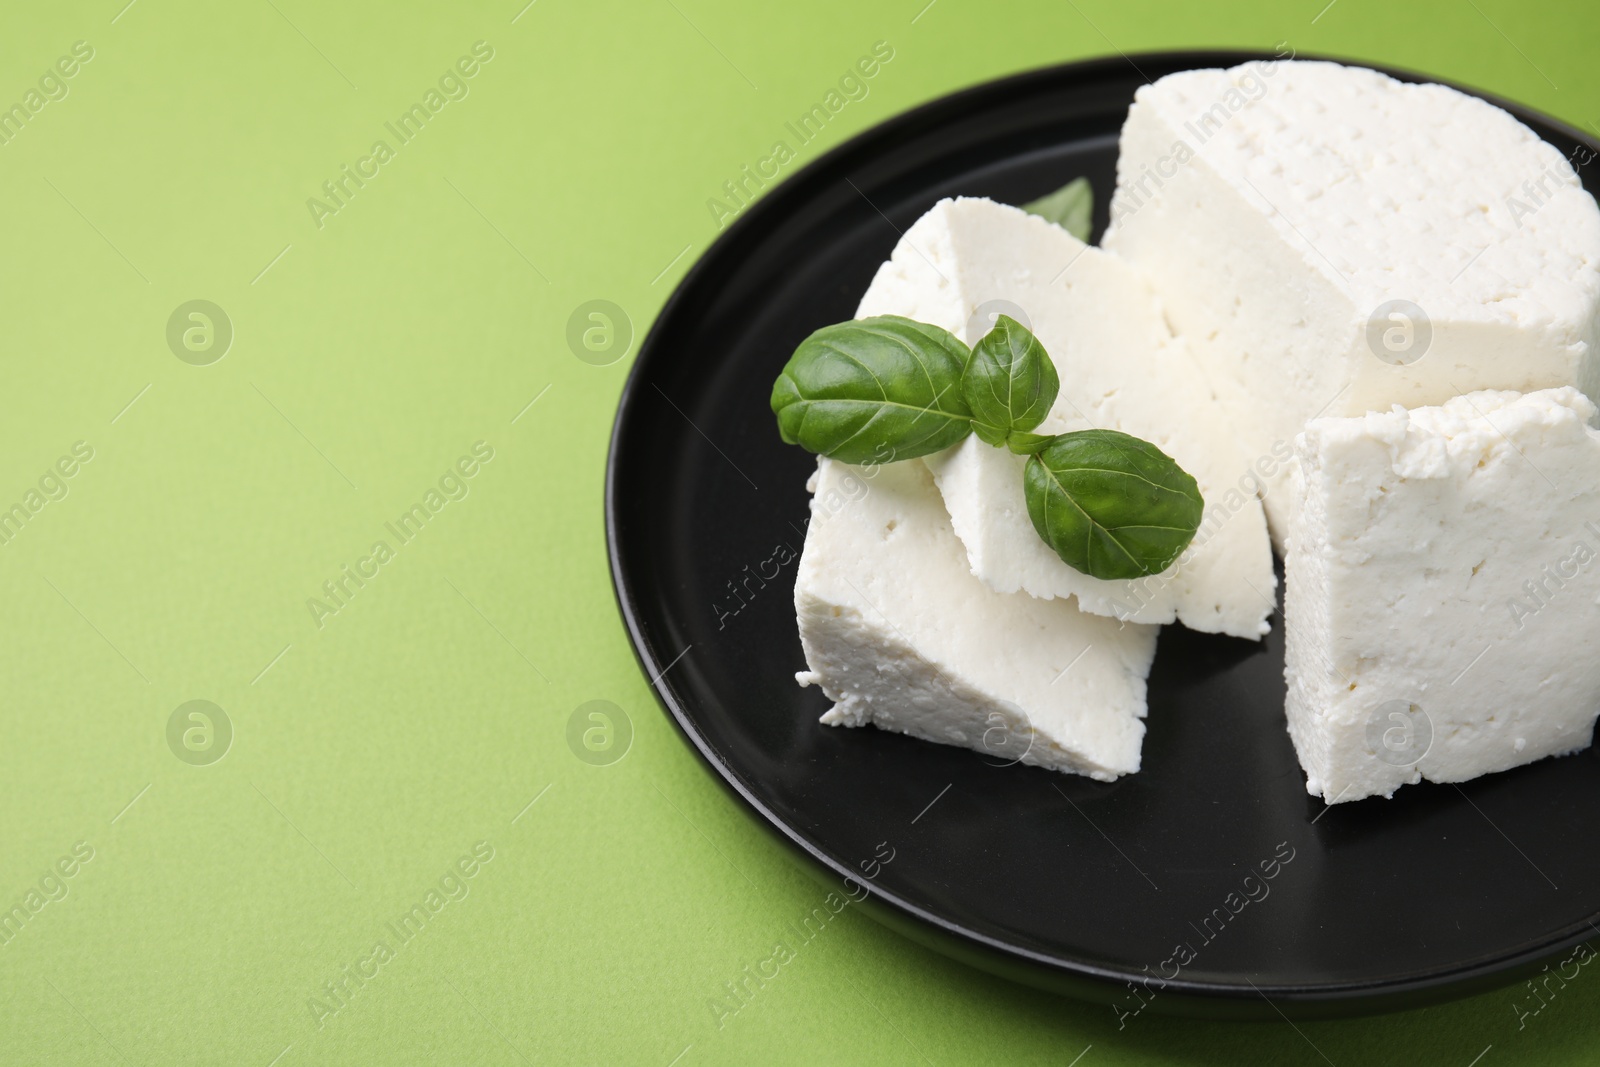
x=1056 y=973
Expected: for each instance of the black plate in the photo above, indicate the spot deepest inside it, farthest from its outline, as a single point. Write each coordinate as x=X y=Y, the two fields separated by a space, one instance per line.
x=1049 y=879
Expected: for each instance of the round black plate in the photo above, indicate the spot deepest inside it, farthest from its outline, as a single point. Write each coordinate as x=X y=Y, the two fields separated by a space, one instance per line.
x=1049 y=879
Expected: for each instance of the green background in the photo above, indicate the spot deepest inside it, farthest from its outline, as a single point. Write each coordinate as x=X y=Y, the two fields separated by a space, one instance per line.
x=371 y=752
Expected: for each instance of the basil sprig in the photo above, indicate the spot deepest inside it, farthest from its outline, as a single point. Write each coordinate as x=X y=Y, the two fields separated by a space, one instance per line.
x=1108 y=504
x=1071 y=207
x=860 y=390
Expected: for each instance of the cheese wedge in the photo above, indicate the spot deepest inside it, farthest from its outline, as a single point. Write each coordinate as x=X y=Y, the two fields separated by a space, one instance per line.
x=900 y=635
x=1121 y=369
x=1332 y=241
x=1443 y=591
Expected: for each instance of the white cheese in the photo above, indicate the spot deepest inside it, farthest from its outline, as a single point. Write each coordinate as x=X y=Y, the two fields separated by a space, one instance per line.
x=1443 y=595
x=899 y=634
x=1120 y=369
x=1278 y=208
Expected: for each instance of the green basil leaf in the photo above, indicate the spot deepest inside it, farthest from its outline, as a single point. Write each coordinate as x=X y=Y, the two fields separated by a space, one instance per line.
x=990 y=435
x=1009 y=383
x=878 y=390
x=1071 y=207
x=1111 y=505
x=1026 y=444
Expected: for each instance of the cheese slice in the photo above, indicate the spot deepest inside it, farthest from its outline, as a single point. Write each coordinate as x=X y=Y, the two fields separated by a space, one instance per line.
x=1333 y=241
x=1121 y=369
x=899 y=634
x=1443 y=591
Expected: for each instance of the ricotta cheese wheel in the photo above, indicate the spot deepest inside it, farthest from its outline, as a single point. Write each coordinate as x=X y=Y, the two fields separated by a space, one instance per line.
x=1332 y=241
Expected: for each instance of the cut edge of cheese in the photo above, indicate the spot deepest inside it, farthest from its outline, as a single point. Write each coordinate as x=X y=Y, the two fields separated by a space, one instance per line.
x=1441 y=587
x=900 y=635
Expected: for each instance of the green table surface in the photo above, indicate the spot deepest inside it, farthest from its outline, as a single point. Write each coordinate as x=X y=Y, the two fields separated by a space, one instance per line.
x=196 y=528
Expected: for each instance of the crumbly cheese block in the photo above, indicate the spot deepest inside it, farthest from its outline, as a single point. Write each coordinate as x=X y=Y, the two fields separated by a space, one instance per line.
x=1280 y=208
x=1120 y=369
x=1443 y=594
x=899 y=634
